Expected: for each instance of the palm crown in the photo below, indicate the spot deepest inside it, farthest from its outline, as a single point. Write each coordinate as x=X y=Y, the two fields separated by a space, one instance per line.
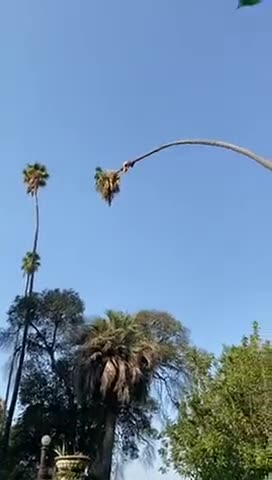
x=107 y=183
x=35 y=176
x=31 y=263
x=119 y=356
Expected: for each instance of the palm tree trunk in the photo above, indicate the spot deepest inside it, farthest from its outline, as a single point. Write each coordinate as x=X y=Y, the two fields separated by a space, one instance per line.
x=28 y=318
x=10 y=376
x=12 y=365
x=108 y=445
x=264 y=162
x=16 y=387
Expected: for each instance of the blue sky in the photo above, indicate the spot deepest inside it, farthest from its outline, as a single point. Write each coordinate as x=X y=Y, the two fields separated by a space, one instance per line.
x=96 y=82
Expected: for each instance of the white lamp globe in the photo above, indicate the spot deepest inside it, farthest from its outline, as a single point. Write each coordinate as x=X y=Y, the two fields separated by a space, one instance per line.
x=46 y=440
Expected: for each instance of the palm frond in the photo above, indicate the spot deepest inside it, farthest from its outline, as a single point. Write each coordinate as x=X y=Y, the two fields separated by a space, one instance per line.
x=108 y=377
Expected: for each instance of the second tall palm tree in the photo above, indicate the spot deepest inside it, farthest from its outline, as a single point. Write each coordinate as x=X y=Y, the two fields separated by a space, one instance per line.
x=35 y=176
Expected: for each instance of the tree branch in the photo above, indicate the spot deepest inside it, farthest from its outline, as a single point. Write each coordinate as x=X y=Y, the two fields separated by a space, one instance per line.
x=54 y=366
x=54 y=336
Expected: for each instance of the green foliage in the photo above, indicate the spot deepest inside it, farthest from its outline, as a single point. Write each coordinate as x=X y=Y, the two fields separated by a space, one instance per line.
x=226 y=418
x=248 y=3
x=121 y=355
x=46 y=395
x=107 y=184
x=58 y=338
x=35 y=176
x=123 y=360
x=31 y=263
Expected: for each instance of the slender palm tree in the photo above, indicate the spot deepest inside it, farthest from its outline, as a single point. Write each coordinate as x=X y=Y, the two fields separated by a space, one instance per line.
x=107 y=182
x=35 y=176
x=30 y=265
x=118 y=359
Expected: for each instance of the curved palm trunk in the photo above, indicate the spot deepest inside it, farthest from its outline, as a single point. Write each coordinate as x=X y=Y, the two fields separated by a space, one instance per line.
x=29 y=313
x=264 y=162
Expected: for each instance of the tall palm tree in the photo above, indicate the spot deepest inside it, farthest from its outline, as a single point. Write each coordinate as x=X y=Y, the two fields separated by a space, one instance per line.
x=107 y=182
x=118 y=359
x=30 y=265
x=35 y=176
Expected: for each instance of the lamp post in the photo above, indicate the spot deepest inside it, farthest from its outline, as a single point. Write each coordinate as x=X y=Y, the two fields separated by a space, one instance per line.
x=43 y=472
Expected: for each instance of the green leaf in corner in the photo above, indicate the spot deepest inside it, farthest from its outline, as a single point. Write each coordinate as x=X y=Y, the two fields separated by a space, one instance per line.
x=248 y=3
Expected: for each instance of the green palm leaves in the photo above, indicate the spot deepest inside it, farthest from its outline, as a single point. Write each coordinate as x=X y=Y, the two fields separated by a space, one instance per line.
x=107 y=183
x=31 y=263
x=35 y=176
x=248 y=3
x=121 y=355
x=117 y=348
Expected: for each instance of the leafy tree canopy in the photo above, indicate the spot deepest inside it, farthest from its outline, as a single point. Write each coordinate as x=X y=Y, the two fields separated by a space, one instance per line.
x=122 y=363
x=226 y=418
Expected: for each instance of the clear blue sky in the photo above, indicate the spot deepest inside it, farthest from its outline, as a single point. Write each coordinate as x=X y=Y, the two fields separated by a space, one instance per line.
x=92 y=82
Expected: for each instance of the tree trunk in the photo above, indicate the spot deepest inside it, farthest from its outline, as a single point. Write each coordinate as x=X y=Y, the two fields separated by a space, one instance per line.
x=102 y=469
x=264 y=162
x=10 y=376
x=16 y=387
x=13 y=361
x=28 y=319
